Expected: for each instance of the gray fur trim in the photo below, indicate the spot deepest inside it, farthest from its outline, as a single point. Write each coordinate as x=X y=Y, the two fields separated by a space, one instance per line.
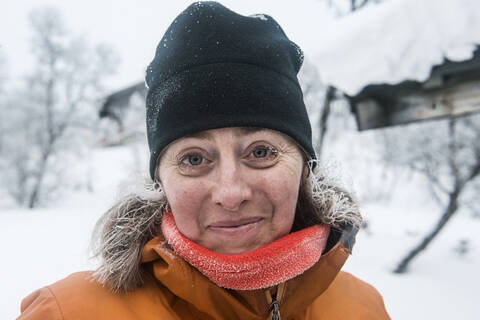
x=120 y=235
x=334 y=205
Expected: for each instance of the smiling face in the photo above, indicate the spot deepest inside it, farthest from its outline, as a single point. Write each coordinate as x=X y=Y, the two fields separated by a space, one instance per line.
x=232 y=190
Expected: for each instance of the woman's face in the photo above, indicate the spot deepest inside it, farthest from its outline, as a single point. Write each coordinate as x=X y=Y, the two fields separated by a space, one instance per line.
x=232 y=190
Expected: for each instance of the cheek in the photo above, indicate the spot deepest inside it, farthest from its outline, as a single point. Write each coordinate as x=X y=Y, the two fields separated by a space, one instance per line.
x=185 y=199
x=283 y=190
x=287 y=181
x=284 y=195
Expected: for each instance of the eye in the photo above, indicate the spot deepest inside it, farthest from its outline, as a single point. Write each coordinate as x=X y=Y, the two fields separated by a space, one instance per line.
x=193 y=159
x=193 y=163
x=262 y=156
x=260 y=152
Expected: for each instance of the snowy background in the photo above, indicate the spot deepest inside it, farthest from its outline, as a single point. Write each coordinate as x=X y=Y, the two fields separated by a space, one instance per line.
x=45 y=244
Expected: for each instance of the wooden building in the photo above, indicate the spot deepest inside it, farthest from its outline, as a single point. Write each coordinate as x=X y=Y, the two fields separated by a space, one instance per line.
x=453 y=89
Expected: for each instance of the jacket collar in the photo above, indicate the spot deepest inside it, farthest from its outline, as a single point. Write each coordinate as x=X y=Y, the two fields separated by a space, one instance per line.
x=187 y=283
x=270 y=265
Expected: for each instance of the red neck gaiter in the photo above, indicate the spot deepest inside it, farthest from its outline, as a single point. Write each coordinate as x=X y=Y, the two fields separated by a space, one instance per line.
x=267 y=266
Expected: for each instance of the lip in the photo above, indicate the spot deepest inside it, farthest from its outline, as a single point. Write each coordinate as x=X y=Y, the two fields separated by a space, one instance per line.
x=235 y=223
x=236 y=229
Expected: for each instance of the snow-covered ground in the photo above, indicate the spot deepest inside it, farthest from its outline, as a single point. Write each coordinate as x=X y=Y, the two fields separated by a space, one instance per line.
x=442 y=283
x=41 y=246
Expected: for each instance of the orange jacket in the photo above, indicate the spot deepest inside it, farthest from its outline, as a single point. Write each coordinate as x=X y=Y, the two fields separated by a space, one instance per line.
x=175 y=290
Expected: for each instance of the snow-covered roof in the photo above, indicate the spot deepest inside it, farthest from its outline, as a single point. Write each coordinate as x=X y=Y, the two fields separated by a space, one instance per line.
x=395 y=41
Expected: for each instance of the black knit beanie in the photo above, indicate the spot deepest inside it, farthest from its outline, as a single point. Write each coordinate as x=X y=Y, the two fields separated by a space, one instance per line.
x=215 y=68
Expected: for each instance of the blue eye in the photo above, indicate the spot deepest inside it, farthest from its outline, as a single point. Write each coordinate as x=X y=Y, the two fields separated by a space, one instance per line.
x=260 y=152
x=262 y=156
x=194 y=164
x=195 y=159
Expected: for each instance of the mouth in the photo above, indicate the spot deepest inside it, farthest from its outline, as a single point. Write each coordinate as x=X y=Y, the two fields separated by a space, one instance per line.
x=235 y=227
x=235 y=224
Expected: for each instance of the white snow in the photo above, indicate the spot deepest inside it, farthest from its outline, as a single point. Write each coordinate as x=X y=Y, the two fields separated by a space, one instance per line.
x=259 y=16
x=44 y=245
x=396 y=40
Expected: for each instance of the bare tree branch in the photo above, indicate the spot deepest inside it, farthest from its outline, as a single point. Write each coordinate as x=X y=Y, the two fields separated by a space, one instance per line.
x=444 y=158
x=342 y=7
x=323 y=120
x=59 y=96
x=446 y=216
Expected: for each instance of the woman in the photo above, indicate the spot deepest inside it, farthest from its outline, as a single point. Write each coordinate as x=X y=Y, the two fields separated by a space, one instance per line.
x=238 y=224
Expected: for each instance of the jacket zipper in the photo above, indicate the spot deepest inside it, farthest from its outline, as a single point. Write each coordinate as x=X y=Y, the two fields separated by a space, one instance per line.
x=274 y=301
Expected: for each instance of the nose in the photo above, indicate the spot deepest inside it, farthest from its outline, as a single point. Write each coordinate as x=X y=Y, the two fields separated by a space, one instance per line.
x=232 y=187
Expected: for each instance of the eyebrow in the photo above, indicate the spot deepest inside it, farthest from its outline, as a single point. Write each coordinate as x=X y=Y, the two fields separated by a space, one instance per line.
x=241 y=131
